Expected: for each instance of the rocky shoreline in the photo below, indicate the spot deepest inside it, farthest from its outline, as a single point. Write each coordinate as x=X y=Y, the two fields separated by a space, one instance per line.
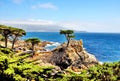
x=64 y=63
x=74 y=57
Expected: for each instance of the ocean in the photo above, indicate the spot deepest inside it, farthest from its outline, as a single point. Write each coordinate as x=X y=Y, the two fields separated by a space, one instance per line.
x=105 y=46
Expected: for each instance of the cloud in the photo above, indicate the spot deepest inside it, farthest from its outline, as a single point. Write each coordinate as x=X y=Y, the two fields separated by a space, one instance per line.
x=28 y=22
x=92 y=26
x=34 y=25
x=17 y=1
x=45 y=6
x=51 y=26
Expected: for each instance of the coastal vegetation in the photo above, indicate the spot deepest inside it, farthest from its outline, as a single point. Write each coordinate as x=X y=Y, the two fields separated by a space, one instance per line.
x=11 y=32
x=15 y=34
x=33 y=42
x=17 y=66
x=5 y=31
x=69 y=34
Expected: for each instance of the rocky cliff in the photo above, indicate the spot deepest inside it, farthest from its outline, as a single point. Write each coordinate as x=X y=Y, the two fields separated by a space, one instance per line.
x=73 y=57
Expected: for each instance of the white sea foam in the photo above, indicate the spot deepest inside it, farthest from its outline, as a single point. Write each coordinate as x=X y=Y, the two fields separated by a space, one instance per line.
x=52 y=46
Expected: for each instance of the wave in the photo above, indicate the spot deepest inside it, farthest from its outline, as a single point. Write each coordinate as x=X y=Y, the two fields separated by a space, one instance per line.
x=52 y=46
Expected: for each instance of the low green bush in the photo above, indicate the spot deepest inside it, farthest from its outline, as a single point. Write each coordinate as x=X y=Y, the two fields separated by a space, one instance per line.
x=15 y=67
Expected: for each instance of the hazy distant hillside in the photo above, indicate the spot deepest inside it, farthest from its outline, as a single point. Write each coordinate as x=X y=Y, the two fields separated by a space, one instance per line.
x=38 y=28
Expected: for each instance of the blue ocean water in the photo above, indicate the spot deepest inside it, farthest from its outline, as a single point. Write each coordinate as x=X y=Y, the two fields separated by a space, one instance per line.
x=105 y=46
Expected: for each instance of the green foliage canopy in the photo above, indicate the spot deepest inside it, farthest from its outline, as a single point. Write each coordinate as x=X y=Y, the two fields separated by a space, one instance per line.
x=69 y=34
x=33 y=41
x=14 y=33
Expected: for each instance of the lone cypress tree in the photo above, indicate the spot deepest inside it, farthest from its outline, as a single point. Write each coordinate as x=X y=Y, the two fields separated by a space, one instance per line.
x=69 y=34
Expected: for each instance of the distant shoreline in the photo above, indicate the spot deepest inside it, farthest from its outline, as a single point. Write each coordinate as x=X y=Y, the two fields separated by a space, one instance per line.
x=75 y=32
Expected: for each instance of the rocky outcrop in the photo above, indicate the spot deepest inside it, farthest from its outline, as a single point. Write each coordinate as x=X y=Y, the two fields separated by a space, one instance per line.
x=73 y=57
x=21 y=45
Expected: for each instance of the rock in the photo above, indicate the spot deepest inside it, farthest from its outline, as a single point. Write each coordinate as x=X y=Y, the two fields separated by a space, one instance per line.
x=60 y=58
x=74 y=56
x=21 y=45
x=44 y=43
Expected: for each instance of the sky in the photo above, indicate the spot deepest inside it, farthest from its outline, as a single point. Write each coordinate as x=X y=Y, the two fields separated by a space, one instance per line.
x=53 y=15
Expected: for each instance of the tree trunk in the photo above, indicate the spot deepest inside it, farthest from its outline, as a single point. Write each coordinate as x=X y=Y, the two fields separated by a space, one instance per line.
x=68 y=43
x=6 y=41
x=68 y=40
x=13 y=43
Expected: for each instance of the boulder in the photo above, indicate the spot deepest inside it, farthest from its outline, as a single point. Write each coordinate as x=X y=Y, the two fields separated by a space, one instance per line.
x=73 y=57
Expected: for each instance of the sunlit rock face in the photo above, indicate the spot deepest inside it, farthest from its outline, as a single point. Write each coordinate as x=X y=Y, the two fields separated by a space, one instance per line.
x=72 y=57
